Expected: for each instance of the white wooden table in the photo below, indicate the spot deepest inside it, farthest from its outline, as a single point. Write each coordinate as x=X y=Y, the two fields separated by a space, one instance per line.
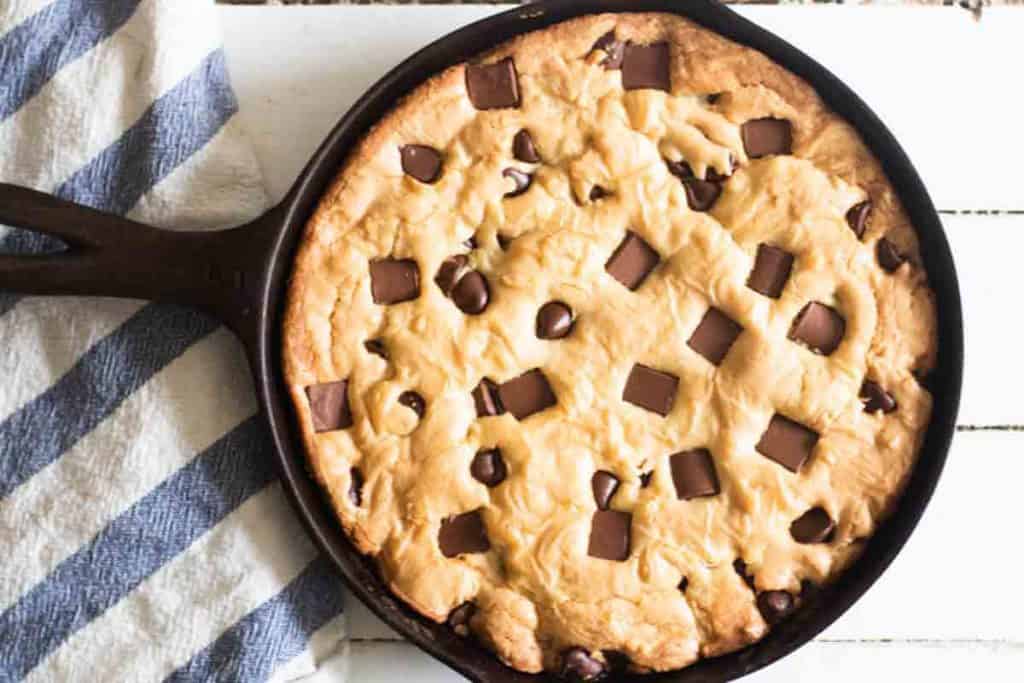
x=951 y=89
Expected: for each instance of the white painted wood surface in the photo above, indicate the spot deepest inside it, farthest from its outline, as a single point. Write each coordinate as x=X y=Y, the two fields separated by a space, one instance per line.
x=949 y=88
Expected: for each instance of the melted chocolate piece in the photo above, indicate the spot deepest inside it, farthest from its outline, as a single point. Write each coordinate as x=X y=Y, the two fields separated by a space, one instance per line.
x=650 y=389
x=857 y=218
x=414 y=402
x=700 y=194
x=458 y=618
x=328 y=406
x=888 y=257
x=693 y=473
x=393 y=281
x=450 y=272
x=632 y=261
x=684 y=583
x=604 y=485
x=504 y=241
x=772 y=268
x=764 y=137
x=355 y=487
x=646 y=66
x=613 y=48
x=744 y=572
x=787 y=442
x=578 y=665
x=554 y=320
x=775 y=605
x=493 y=86
x=486 y=400
x=376 y=347
x=471 y=294
x=421 y=162
x=598 y=192
x=521 y=179
x=814 y=526
x=609 y=535
x=523 y=148
x=818 y=327
x=714 y=336
x=463 y=533
x=470 y=243
x=527 y=394
x=876 y=398
x=488 y=467
x=645 y=478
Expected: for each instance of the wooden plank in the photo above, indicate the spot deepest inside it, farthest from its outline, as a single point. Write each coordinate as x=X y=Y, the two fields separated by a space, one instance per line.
x=297 y=70
x=953 y=579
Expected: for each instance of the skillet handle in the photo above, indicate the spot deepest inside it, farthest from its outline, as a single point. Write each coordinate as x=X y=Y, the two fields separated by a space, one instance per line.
x=220 y=272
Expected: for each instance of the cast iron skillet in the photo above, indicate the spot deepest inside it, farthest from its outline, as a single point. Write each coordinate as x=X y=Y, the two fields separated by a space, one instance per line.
x=240 y=276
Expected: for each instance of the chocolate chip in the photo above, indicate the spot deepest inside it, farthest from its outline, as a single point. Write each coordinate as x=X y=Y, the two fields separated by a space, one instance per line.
x=684 y=583
x=598 y=192
x=814 y=526
x=787 y=442
x=819 y=327
x=713 y=97
x=414 y=402
x=632 y=261
x=527 y=394
x=650 y=389
x=714 y=336
x=762 y=137
x=488 y=467
x=522 y=181
x=328 y=406
x=504 y=241
x=493 y=86
x=486 y=400
x=772 y=267
x=393 y=281
x=463 y=533
x=458 y=618
x=741 y=568
x=613 y=48
x=578 y=665
x=452 y=269
x=645 y=478
x=774 y=605
x=604 y=485
x=857 y=218
x=471 y=293
x=470 y=243
x=888 y=257
x=876 y=398
x=646 y=66
x=355 y=487
x=421 y=162
x=523 y=148
x=693 y=473
x=609 y=535
x=700 y=194
x=554 y=320
x=376 y=347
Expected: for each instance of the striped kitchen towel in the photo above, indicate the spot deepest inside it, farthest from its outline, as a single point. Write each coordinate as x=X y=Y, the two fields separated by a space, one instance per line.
x=143 y=534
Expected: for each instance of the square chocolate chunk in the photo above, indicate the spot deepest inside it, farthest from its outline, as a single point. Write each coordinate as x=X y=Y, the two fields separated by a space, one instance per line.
x=463 y=533
x=493 y=86
x=818 y=327
x=772 y=267
x=393 y=281
x=610 y=535
x=632 y=261
x=328 y=406
x=714 y=336
x=527 y=394
x=787 y=442
x=650 y=389
x=646 y=66
x=693 y=473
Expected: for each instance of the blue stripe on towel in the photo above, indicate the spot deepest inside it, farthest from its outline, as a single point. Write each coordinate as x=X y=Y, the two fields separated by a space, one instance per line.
x=35 y=50
x=271 y=634
x=141 y=540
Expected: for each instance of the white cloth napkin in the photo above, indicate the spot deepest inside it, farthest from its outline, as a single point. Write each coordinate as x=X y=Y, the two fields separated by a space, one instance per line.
x=143 y=534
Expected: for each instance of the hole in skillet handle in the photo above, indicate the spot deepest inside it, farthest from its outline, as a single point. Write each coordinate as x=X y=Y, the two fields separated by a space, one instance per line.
x=829 y=602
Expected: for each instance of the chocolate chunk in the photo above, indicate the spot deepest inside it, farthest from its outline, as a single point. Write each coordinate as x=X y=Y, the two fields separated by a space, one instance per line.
x=814 y=526
x=598 y=192
x=578 y=665
x=471 y=243
x=741 y=568
x=684 y=583
x=876 y=398
x=527 y=394
x=857 y=218
x=819 y=327
x=613 y=48
x=504 y=241
x=376 y=347
x=458 y=618
x=463 y=533
x=485 y=397
x=714 y=336
x=646 y=66
x=328 y=406
x=609 y=535
x=451 y=270
x=523 y=148
x=650 y=389
x=413 y=401
x=522 y=181
x=762 y=137
x=488 y=467
x=632 y=261
x=713 y=97
x=393 y=281
x=700 y=194
x=421 y=162
x=604 y=485
x=617 y=662
x=693 y=473
x=471 y=293
x=775 y=605
x=888 y=257
x=645 y=478
x=355 y=487
x=787 y=442
x=493 y=86
x=772 y=267
x=554 y=320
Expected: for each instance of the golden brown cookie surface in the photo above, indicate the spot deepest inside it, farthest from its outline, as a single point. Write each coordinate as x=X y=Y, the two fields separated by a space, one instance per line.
x=605 y=344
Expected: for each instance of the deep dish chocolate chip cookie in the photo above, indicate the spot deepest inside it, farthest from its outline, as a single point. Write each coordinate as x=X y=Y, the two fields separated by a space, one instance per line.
x=605 y=345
